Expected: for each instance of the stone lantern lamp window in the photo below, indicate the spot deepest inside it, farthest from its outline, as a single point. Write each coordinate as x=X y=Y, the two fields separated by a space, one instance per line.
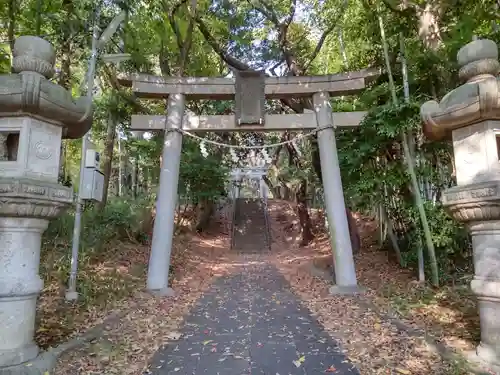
x=9 y=145
x=497 y=138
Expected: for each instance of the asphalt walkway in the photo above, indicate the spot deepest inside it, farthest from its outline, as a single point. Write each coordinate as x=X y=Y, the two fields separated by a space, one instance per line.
x=251 y=323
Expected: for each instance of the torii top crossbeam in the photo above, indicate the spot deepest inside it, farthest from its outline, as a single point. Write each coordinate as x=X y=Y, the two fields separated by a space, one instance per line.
x=218 y=88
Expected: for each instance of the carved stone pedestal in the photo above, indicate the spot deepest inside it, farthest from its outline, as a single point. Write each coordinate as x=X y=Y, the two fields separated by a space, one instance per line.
x=478 y=205
x=25 y=209
x=486 y=286
x=20 y=285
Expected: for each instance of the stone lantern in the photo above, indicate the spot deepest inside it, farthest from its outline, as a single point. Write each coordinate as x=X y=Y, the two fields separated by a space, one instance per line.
x=470 y=116
x=35 y=114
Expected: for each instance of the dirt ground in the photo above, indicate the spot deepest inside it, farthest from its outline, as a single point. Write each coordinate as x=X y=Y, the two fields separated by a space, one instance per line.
x=375 y=344
x=449 y=314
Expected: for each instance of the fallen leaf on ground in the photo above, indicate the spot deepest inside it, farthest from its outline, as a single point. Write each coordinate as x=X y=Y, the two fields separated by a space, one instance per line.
x=403 y=371
x=174 y=335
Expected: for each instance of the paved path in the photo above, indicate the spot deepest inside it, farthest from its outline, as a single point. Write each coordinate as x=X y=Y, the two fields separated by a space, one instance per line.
x=251 y=323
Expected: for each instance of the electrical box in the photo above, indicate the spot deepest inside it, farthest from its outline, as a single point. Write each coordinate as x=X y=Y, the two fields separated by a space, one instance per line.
x=93 y=185
x=92 y=159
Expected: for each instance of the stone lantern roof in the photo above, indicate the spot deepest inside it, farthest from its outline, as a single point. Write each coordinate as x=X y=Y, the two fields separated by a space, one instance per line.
x=476 y=100
x=28 y=91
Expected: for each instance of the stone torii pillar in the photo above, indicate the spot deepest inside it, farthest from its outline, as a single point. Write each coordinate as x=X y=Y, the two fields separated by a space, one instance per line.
x=343 y=261
x=470 y=116
x=34 y=114
x=166 y=200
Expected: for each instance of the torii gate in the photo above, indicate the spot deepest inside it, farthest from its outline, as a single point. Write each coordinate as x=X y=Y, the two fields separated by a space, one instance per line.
x=238 y=174
x=249 y=89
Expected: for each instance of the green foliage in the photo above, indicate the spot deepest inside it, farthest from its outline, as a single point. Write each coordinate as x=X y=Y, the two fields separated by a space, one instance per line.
x=373 y=160
x=4 y=59
x=201 y=178
x=122 y=219
x=451 y=241
x=375 y=173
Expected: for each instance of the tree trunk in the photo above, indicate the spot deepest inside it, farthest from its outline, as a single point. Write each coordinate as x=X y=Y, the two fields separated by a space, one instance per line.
x=303 y=214
x=428 y=26
x=353 y=231
x=108 y=158
x=62 y=163
x=206 y=212
x=135 y=177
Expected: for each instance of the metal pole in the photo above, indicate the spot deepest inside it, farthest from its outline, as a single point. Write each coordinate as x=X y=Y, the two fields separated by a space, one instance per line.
x=71 y=293
x=120 y=177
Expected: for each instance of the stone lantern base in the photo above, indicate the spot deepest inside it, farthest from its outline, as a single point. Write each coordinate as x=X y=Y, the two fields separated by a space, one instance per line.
x=26 y=206
x=478 y=205
x=486 y=286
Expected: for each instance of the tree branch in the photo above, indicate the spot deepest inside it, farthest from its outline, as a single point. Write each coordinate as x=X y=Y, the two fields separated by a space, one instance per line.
x=224 y=55
x=173 y=22
x=188 y=41
x=273 y=68
x=291 y=13
x=401 y=7
x=319 y=46
x=266 y=11
x=164 y=64
x=325 y=34
x=115 y=85
x=12 y=25
x=295 y=106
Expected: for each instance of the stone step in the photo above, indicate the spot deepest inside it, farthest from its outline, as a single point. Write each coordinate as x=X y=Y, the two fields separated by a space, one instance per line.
x=250 y=227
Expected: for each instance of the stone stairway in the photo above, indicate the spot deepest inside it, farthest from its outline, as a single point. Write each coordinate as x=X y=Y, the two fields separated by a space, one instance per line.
x=250 y=230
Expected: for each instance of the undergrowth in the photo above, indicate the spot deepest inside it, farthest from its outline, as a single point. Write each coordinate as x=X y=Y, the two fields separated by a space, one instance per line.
x=112 y=263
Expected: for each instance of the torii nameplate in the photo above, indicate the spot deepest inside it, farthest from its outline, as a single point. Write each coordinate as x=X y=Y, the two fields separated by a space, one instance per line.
x=250 y=98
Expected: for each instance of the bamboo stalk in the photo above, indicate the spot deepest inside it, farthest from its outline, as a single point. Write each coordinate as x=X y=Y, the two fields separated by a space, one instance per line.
x=411 y=169
x=406 y=91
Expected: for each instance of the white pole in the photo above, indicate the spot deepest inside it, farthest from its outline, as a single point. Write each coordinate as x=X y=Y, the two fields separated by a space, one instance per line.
x=71 y=293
